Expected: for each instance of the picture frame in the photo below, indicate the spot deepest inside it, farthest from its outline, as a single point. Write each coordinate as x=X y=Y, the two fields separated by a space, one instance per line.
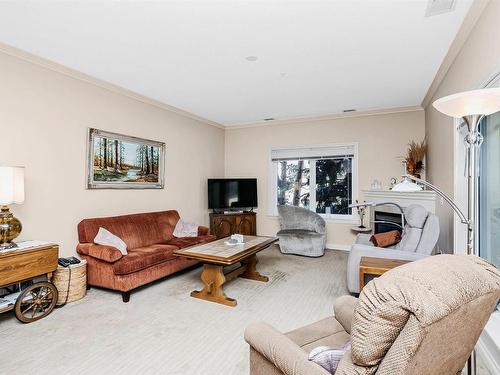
x=118 y=161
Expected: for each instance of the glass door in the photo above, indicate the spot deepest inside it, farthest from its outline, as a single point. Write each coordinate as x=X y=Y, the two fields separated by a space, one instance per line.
x=489 y=190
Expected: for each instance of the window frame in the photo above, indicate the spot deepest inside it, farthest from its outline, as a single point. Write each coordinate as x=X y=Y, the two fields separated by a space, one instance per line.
x=273 y=182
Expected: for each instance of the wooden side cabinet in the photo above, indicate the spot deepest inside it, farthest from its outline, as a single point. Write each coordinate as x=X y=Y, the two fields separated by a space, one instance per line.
x=224 y=225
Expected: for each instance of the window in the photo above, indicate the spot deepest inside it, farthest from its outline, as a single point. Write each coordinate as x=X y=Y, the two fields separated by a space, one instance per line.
x=321 y=179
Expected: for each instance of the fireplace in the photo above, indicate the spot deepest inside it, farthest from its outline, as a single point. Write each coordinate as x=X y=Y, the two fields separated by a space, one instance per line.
x=391 y=213
x=386 y=221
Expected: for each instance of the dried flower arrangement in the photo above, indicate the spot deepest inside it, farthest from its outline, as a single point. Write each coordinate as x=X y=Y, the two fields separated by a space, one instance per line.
x=415 y=157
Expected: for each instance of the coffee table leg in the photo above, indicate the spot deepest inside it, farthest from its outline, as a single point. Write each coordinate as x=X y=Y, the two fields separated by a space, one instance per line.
x=213 y=278
x=251 y=269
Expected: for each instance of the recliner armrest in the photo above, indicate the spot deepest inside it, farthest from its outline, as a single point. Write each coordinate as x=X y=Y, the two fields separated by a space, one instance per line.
x=108 y=254
x=282 y=352
x=344 y=310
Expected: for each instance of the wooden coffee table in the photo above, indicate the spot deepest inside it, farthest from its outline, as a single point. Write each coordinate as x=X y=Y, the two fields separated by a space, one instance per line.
x=216 y=255
x=376 y=267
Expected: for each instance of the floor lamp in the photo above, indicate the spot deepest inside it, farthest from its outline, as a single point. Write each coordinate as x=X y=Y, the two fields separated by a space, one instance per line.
x=472 y=107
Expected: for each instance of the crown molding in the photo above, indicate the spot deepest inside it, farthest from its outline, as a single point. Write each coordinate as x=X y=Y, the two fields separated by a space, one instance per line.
x=334 y=116
x=470 y=20
x=58 y=68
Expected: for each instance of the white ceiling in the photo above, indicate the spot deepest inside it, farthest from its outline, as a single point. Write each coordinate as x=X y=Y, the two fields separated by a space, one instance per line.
x=314 y=57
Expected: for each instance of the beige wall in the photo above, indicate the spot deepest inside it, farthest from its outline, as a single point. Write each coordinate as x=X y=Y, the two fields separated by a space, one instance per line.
x=476 y=62
x=382 y=140
x=44 y=116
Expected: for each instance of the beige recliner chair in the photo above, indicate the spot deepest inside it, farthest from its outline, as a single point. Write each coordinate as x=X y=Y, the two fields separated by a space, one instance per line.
x=421 y=318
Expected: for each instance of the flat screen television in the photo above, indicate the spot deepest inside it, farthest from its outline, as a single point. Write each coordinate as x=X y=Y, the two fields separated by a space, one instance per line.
x=232 y=193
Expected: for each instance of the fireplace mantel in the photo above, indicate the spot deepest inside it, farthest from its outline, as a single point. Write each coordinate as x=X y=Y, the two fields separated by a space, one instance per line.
x=425 y=198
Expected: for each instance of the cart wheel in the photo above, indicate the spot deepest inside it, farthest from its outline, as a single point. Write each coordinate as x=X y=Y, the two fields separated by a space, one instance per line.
x=36 y=302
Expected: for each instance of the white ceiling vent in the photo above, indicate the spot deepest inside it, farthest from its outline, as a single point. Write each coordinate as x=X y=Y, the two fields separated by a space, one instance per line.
x=435 y=7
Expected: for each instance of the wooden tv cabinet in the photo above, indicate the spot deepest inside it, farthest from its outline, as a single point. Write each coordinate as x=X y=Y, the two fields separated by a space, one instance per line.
x=223 y=225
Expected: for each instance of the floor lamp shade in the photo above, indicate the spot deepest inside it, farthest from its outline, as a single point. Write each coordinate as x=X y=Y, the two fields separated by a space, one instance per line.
x=11 y=185
x=469 y=103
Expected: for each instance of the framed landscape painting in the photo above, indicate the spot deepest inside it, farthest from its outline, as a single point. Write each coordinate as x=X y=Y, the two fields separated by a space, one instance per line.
x=117 y=161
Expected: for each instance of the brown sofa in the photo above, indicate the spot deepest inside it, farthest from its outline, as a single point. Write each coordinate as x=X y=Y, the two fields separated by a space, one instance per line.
x=421 y=318
x=150 y=245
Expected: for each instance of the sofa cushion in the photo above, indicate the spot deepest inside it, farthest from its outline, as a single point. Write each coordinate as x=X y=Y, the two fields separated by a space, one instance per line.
x=137 y=230
x=189 y=241
x=144 y=257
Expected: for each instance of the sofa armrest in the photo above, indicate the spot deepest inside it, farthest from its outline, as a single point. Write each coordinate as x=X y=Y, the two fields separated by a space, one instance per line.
x=203 y=231
x=106 y=253
x=282 y=352
x=344 y=310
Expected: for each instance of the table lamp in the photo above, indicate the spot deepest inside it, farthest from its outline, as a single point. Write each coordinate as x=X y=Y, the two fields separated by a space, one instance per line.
x=11 y=191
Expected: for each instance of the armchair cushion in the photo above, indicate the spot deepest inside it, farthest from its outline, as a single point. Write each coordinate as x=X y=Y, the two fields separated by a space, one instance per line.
x=105 y=253
x=326 y=332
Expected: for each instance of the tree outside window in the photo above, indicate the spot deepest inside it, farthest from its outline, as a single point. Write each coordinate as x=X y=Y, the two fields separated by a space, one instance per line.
x=293 y=182
x=323 y=185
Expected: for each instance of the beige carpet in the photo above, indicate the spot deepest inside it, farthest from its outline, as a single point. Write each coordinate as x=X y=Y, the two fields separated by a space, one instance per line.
x=164 y=331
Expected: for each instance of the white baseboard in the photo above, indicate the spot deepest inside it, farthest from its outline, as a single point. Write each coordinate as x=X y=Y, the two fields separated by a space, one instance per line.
x=334 y=246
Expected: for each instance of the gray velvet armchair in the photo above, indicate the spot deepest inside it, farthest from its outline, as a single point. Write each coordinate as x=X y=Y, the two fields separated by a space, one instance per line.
x=302 y=231
x=418 y=240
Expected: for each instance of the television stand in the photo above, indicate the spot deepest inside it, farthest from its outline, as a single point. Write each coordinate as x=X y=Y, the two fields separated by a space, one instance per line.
x=224 y=224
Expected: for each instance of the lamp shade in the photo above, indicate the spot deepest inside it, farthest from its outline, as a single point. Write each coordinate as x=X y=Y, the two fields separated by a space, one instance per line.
x=406 y=186
x=11 y=185
x=475 y=102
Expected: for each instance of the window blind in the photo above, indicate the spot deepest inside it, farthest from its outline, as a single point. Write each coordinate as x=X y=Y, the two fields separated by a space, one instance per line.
x=316 y=152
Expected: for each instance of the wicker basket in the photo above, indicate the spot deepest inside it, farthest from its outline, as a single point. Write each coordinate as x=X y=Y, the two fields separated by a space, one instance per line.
x=77 y=284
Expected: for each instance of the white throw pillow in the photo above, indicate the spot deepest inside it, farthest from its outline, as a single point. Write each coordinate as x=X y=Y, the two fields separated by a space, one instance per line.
x=185 y=229
x=328 y=358
x=106 y=238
